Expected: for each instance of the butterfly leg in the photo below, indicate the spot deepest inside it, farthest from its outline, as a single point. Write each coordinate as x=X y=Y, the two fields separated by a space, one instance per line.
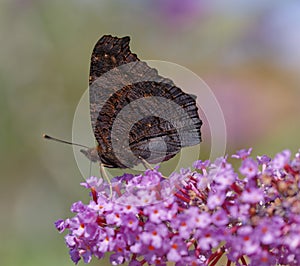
x=145 y=163
x=105 y=176
x=148 y=165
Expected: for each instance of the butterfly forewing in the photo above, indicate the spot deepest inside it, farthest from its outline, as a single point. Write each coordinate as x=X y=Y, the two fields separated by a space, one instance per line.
x=136 y=113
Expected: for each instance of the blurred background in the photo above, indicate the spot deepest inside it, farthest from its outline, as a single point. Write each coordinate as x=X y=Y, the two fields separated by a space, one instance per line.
x=248 y=52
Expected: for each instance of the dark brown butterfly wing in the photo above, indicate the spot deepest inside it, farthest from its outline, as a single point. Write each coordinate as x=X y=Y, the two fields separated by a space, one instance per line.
x=109 y=52
x=135 y=112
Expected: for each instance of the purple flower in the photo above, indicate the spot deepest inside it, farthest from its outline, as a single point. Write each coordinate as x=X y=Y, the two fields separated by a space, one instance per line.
x=249 y=242
x=249 y=168
x=151 y=178
x=71 y=241
x=211 y=214
x=130 y=220
x=117 y=259
x=177 y=249
x=292 y=240
x=264 y=159
x=296 y=162
x=202 y=181
x=197 y=219
x=270 y=230
x=114 y=218
x=78 y=207
x=219 y=218
x=154 y=234
x=156 y=213
x=252 y=195
x=281 y=159
x=60 y=225
x=93 y=182
x=208 y=239
x=263 y=258
x=240 y=211
x=201 y=165
x=225 y=178
x=106 y=240
x=75 y=256
x=215 y=199
x=242 y=154
x=86 y=255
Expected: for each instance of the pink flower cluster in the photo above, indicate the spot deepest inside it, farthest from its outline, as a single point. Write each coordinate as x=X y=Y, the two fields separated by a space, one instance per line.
x=251 y=216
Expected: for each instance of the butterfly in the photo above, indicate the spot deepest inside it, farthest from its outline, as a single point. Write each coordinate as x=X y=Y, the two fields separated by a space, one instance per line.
x=136 y=115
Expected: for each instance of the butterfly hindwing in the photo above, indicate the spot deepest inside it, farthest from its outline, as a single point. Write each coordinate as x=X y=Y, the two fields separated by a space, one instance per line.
x=136 y=111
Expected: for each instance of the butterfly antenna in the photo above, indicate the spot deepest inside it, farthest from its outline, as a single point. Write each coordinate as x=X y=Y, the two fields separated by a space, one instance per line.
x=104 y=174
x=45 y=136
